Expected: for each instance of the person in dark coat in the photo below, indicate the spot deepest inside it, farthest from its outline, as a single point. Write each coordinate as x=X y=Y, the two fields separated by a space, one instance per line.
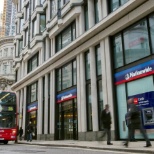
x=130 y=128
x=106 y=121
x=29 y=129
x=135 y=119
x=20 y=133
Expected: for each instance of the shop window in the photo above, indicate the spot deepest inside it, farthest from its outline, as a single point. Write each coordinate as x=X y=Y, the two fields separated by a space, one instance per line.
x=136 y=42
x=118 y=52
x=151 y=20
x=33 y=92
x=33 y=63
x=66 y=37
x=96 y=11
x=42 y=22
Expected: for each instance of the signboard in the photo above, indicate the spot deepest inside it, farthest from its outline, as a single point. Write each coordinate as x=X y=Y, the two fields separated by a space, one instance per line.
x=67 y=95
x=145 y=102
x=139 y=71
x=32 y=107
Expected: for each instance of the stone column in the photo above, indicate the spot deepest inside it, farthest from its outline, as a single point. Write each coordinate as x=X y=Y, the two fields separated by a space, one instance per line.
x=18 y=95
x=24 y=109
x=40 y=100
x=41 y=54
x=77 y=27
x=52 y=102
x=93 y=89
x=81 y=22
x=91 y=13
x=38 y=24
x=100 y=10
x=109 y=78
x=83 y=110
x=47 y=47
x=46 y=106
x=104 y=7
x=53 y=46
x=20 y=107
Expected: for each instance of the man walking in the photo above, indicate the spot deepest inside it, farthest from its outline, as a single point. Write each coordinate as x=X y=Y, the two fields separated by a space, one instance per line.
x=106 y=121
x=135 y=119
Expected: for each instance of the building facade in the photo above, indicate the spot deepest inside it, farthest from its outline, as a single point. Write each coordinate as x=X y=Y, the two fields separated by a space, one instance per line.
x=7 y=74
x=74 y=56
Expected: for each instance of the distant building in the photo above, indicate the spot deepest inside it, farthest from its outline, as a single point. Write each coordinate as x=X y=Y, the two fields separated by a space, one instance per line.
x=7 y=75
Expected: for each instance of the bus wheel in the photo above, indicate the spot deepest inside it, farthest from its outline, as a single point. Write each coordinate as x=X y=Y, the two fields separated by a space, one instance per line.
x=5 y=142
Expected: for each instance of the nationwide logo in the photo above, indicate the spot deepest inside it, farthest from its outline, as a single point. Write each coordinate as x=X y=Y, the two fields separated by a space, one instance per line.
x=136 y=73
x=65 y=97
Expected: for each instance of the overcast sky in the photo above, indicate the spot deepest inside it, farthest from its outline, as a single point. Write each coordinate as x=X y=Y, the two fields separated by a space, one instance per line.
x=1 y=5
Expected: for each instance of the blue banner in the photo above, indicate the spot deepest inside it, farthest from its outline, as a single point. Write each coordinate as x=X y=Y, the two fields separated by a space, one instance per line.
x=67 y=95
x=145 y=102
x=133 y=73
x=32 y=107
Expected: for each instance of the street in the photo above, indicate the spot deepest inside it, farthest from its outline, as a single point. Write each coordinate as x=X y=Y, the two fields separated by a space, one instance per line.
x=12 y=148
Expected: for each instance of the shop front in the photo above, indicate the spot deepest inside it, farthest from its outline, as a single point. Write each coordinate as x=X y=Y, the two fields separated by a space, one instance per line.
x=32 y=116
x=138 y=83
x=66 y=119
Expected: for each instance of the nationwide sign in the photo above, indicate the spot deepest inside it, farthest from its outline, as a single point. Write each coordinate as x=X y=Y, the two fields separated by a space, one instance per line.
x=139 y=71
x=67 y=95
x=32 y=107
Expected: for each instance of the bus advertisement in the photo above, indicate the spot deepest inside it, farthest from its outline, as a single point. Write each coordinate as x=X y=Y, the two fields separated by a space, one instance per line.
x=8 y=117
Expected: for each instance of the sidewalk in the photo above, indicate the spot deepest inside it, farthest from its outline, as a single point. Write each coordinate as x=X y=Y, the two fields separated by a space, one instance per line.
x=136 y=147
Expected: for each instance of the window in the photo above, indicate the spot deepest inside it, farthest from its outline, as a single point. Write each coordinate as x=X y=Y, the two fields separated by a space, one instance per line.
x=33 y=63
x=33 y=5
x=33 y=92
x=66 y=76
x=66 y=37
x=98 y=60
x=21 y=24
x=53 y=9
x=96 y=11
x=115 y=4
x=26 y=37
x=136 y=42
x=118 y=52
x=27 y=12
x=87 y=61
x=34 y=27
x=42 y=22
x=20 y=46
x=86 y=19
x=151 y=20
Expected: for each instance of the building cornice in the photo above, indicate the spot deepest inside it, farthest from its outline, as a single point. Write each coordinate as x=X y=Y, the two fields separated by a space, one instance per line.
x=6 y=40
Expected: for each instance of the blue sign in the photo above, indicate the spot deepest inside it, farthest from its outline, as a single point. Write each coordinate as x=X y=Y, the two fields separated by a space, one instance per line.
x=67 y=95
x=136 y=72
x=145 y=102
x=32 y=107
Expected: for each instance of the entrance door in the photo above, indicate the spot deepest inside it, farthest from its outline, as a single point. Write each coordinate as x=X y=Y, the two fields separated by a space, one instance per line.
x=67 y=124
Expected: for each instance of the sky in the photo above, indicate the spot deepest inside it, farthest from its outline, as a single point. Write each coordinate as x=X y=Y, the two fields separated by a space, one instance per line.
x=1 y=5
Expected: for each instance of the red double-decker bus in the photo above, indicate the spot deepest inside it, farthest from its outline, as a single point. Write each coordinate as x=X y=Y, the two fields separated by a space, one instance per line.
x=8 y=117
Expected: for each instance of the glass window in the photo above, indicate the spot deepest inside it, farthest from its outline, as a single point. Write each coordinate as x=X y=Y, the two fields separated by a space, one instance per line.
x=27 y=12
x=136 y=42
x=87 y=58
x=33 y=63
x=114 y=4
x=67 y=76
x=53 y=9
x=20 y=46
x=124 y=1
x=86 y=19
x=59 y=80
x=118 y=52
x=151 y=19
x=33 y=92
x=26 y=37
x=89 y=108
x=96 y=11
x=42 y=22
x=98 y=61
x=74 y=73
x=21 y=24
x=66 y=37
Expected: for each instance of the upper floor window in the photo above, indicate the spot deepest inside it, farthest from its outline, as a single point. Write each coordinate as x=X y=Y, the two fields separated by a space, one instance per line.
x=20 y=46
x=33 y=63
x=42 y=22
x=86 y=19
x=26 y=37
x=115 y=4
x=66 y=37
x=53 y=9
x=27 y=12
x=21 y=24
x=96 y=11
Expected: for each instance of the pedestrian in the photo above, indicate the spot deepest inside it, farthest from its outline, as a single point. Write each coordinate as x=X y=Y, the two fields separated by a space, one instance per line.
x=20 y=133
x=130 y=128
x=29 y=131
x=135 y=119
x=106 y=121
